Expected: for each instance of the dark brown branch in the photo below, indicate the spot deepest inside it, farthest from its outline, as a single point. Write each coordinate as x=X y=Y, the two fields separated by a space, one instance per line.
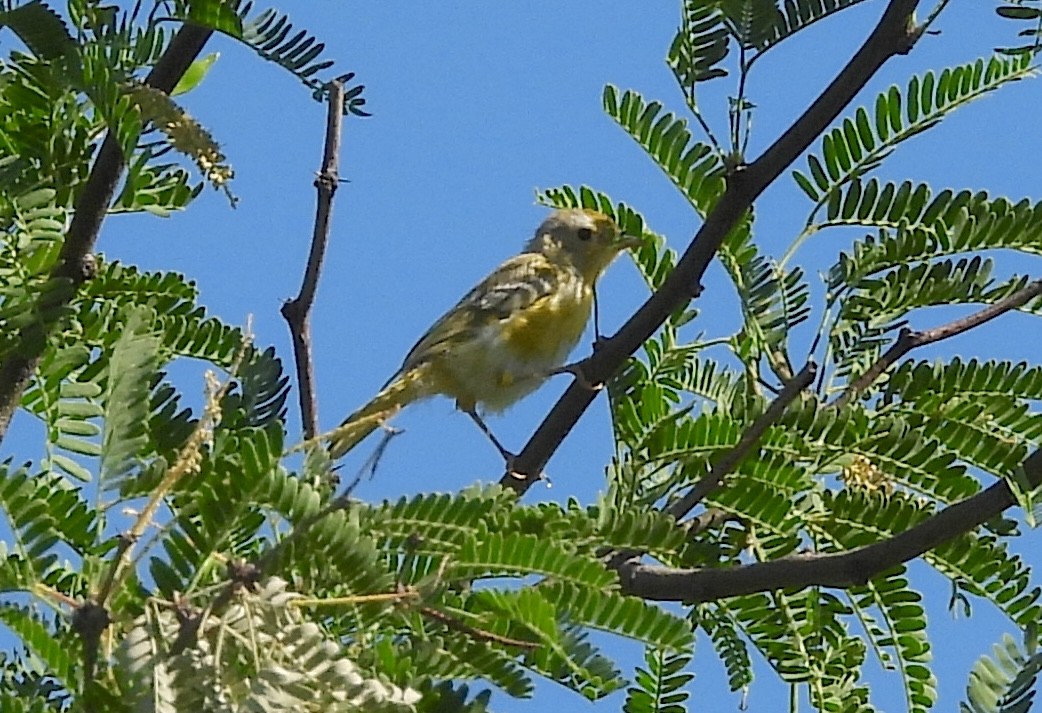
x=730 y=460
x=841 y=570
x=76 y=262
x=89 y=621
x=297 y=311
x=894 y=34
x=908 y=339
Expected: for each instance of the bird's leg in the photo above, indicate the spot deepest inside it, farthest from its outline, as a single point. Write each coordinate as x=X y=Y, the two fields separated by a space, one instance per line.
x=596 y=319
x=507 y=455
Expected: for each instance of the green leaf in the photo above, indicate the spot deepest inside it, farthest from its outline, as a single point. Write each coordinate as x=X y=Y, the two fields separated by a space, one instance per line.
x=497 y=554
x=774 y=301
x=217 y=15
x=852 y=151
x=619 y=614
x=659 y=688
x=797 y=15
x=1019 y=12
x=41 y=29
x=699 y=46
x=753 y=22
x=903 y=631
x=132 y=369
x=730 y=646
x=930 y=227
x=1004 y=682
x=693 y=167
x=195 y=74
x=57 y=656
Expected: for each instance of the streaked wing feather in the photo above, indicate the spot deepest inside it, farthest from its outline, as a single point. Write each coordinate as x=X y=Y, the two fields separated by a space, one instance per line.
x=517 y=284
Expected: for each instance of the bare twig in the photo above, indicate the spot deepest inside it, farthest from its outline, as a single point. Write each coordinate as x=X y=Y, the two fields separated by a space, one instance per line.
x=297 y=311
x=709 y=518
x=351 y=600
x=730 y=460
x=841 y=569
x=894 y=34
x=480 y=634
x=76 y=262
x=909 y=339
x=373 y=461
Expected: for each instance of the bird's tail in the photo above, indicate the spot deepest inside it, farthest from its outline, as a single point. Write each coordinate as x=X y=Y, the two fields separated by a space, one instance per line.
x=400 y=392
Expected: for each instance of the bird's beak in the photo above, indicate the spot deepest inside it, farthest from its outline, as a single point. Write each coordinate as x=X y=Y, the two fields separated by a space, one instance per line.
x=626 y=242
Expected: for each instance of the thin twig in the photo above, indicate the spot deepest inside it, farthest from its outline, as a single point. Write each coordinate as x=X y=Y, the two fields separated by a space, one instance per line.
x=373 y=461
x=894 y=34
x=730 y=460
x=473 y=632
x=393 y=597
x=297 y=311
x=909 y=339
x=739 y=101
x=932 y=17
x=76 y=263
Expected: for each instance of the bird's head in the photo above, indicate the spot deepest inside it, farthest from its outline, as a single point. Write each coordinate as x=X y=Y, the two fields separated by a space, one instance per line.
x=587 y=239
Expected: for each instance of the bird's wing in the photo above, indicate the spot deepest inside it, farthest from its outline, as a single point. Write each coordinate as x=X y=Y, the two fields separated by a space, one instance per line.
x=517 y=284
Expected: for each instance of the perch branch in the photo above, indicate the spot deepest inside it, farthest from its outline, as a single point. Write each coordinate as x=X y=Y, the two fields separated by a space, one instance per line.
x=894 y=34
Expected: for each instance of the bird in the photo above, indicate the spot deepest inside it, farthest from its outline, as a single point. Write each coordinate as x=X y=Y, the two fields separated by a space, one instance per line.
x=510 y=333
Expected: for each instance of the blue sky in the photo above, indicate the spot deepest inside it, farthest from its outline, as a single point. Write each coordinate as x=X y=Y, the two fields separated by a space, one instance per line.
x=474 y=106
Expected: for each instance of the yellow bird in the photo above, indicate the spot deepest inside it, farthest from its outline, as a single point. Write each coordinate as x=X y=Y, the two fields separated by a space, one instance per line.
x=508 y=334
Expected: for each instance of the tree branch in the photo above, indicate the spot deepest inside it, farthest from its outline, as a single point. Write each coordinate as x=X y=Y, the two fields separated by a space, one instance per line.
x=76 y=261
x=908 y=340
x=894 y=34
x=841 y=569
x=730 y=460
x=297 y=311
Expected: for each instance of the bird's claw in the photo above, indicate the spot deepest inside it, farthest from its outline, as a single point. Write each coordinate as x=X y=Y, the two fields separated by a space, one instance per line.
x=576 y=370
x=514 y=473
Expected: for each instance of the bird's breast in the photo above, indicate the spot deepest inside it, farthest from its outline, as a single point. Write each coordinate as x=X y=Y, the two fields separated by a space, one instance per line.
x=547 y=331
x=510 y=358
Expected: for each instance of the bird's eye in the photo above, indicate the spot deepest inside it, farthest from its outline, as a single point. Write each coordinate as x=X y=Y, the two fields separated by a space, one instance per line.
x=585 y=234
